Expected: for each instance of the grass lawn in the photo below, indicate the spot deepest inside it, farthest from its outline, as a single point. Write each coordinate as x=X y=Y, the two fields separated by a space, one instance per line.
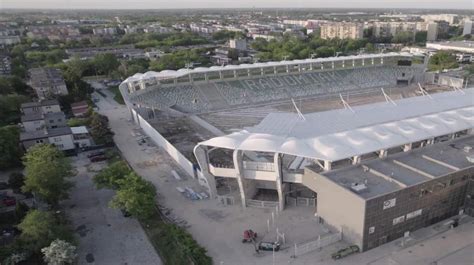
x=117 y=96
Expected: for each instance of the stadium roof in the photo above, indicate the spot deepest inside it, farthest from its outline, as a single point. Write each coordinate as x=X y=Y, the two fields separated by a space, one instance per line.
x=339 y=134
x=182 y=72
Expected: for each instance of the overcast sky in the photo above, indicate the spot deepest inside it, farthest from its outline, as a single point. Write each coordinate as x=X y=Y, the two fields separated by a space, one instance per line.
x=162 y=4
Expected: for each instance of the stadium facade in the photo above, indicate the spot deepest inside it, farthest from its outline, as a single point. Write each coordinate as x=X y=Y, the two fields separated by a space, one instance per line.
x=374 y=172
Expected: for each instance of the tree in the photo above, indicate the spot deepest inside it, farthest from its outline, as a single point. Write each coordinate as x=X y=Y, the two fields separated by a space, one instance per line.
x=10 y=108
x=111 y=176
x=38 y=229
x=60 y=252
x=10 y=155
x=442 y=60
x=136 y=196
x=403 y=37
x=100 y=130
x=47 y=170
x=105 y=63
x=421 y=36
x=16 y=180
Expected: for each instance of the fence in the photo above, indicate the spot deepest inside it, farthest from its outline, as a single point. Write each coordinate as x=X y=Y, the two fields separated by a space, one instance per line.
x=300 y=201
x=259 y=166
x=322 y=241
x=261 y=204
x=162 y=142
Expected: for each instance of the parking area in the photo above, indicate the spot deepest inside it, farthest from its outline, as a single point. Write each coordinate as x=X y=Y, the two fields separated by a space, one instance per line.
x=104 y=235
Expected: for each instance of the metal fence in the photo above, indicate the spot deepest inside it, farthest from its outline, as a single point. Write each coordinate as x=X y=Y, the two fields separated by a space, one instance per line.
x=261 y=204
x=320 y=242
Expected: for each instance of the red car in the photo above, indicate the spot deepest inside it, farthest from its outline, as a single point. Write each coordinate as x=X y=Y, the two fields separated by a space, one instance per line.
x=9 y=201
x=98 y=158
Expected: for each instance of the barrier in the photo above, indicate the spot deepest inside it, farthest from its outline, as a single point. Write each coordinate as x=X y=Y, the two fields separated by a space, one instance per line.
x=159 y=140
x=261 y=204
x=322 y=241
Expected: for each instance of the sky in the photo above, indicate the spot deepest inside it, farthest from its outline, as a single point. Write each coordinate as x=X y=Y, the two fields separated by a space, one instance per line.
x=168 y=4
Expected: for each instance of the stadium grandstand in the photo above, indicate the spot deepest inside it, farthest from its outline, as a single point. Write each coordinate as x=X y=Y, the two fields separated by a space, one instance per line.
x=219 y=87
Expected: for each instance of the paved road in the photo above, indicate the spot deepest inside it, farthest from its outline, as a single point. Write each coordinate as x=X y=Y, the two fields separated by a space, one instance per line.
x=105 y=236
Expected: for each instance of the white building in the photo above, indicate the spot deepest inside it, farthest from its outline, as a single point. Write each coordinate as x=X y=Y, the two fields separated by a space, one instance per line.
x=432 y=29
x=238 y=44
x=342 y=30
x=450 y=18
x=459 y=46
x=467 y=29
x=81 y=136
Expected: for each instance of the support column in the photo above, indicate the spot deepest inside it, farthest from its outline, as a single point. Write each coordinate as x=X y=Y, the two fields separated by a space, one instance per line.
x=363 y=61
x=220 y=75
x=262 y=71
x=206 y=77
x=332 y=64
x=327 y=165
x=383 y=153
x=343 y=63
x=238 y=165
x=274 y=70
x=205 y=179
x=279 y=180
x=356 y=160
x=235 y=74
x=248 y=72
x=407 y=147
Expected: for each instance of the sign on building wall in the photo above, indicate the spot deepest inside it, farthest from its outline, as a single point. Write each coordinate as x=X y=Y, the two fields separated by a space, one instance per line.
x=389 y=203
x=414 y=214
x=399 y=220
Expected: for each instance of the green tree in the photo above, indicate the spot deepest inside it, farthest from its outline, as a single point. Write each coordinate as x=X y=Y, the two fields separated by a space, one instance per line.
x=442 y=60
x=100 y=130
x=40 y=228
x=10 y=155
x=60 y=252
x=16 y=180
x=403 y=37
x=111 y=176
x=421 y=36
x=136 y=196
x=10 y=108
x=105 y=63
x=47 y=171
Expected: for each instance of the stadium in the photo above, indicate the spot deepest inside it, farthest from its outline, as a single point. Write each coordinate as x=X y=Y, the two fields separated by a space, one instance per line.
x=319 y=133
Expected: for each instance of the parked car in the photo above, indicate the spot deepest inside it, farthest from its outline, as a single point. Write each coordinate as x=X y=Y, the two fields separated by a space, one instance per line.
x=8 y=200
x=269 y=246
x=96 y=153
x=345 y=252
x=98 y=158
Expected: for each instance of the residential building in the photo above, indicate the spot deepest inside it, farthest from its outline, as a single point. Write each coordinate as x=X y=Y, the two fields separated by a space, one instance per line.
x=5 y=65
x=342 y=30
x=54 y=32
x=9 y=40
x=390 y=29
x=238 y=44
x=104 y=31
x=79 y=109
x=467 y=28
x=450 y=18
x=61 y=137
x=44 y=122
x=81 y=137
x=47 y=82
x=432 y=30
x=43 y=106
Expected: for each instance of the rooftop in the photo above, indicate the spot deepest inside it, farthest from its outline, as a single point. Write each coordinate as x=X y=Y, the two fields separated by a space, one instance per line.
x=343 y=133
x=405 y=169
x=41 y=134
x=47 y=102
x=182 y=72
x=32 y=117
x=455 y=44
x=79 y=130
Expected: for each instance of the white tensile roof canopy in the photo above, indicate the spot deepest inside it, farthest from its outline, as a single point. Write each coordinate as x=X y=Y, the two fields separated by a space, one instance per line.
x=339 y=134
